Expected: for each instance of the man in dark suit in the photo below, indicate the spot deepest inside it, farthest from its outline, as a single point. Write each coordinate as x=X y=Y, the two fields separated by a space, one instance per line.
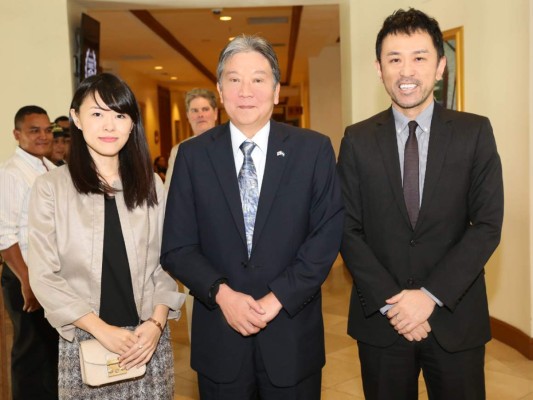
x=424 y=209
x=253 y=224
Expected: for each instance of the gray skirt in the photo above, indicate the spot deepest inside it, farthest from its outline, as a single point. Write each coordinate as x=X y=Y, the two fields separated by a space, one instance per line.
x=156 y=384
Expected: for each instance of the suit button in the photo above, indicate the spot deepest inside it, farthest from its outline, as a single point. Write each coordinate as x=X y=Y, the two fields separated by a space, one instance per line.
x=410 y=281
x=412 y=243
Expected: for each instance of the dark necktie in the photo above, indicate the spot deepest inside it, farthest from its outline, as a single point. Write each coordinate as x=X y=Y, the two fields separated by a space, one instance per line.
x=411 y=185
x=249 y=192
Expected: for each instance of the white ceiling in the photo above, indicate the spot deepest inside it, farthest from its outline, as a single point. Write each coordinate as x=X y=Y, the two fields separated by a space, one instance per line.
x=125 y=41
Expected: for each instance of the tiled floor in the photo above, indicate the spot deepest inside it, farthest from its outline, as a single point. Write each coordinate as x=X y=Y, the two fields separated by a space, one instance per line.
x=509 y=375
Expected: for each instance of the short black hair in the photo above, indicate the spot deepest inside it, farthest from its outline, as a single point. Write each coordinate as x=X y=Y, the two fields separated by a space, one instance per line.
x=27 y=110
x=135 y=165
x=409 y=22
x=61 y=118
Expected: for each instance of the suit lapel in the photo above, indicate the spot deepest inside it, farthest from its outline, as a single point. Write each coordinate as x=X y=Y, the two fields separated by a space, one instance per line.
x=221 y=154
x=276 y=160
x=439 y=140
x=388 y=145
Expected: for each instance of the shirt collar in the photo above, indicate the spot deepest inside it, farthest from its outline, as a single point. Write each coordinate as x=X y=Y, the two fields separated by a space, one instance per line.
x=260 y=138
x=423 y=119
x=35 y=162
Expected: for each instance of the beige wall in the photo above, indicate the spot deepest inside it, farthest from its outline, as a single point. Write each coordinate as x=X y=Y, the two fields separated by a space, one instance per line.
x=530 y=169
x=493 y=56
x=325 y=94
x=145 y=90
x=35 y=66
x=498 y=62
x=175 y=100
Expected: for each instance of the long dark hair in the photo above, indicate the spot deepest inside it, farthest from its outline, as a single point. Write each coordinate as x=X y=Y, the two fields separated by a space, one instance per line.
x=135 y=166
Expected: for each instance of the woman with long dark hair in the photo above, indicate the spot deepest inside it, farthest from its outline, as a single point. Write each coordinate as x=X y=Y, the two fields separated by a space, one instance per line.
x=95 y=231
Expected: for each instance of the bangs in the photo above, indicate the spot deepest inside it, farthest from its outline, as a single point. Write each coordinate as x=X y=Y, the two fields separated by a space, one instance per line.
x=116 y=96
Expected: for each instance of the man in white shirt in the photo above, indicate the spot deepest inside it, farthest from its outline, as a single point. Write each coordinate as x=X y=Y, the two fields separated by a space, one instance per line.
x=34 y=352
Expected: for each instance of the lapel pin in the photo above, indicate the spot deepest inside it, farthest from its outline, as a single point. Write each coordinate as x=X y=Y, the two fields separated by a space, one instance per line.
x=280 y=153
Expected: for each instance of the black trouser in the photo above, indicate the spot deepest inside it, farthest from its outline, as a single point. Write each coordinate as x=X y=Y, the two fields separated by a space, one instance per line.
x=35 y=346
x=392 y=372
x=253 y=384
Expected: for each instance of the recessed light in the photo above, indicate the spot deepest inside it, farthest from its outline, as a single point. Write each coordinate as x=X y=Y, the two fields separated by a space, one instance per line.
x=231 y=38
x=225 y=18
x=158 y=67
x=173 y=78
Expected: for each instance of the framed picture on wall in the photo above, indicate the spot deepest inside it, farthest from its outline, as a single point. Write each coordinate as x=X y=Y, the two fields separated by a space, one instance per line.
x=449 y=91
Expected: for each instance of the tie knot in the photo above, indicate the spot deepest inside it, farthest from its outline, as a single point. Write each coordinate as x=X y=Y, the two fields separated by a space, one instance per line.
x=247 y=147
x=412 y=127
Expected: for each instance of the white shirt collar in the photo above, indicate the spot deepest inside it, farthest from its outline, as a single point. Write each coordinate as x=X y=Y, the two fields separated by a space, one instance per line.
x=35 y=162
x=260 y=138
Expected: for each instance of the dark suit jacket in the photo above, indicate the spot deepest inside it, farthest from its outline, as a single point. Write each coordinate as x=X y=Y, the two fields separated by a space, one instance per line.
x=458 y=228
x=297 y=237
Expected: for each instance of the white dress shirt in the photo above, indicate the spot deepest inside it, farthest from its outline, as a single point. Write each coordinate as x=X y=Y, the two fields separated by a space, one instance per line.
x=258 y=154
x=17 y=175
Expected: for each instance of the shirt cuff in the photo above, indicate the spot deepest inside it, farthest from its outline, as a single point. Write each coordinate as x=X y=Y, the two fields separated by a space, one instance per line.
x=385 y=309
x=439 y=303
x=8 y=240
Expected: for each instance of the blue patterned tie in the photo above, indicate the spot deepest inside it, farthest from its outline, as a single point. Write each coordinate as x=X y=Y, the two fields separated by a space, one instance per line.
x=249 y=191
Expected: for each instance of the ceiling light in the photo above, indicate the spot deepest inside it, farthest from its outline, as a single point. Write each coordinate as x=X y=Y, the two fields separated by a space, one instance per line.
x=173 y=78
x=225 y=18
x=231 y=38
x=158 y=67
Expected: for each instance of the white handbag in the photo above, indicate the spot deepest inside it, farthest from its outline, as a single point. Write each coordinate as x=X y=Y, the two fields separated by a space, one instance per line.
x=100 y=366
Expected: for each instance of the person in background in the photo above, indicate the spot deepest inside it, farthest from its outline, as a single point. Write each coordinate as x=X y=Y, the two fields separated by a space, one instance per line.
x=423 y=194
x=34 y=351
x=202 y=114
x=253 y=225
x=106 y=283
x=161 y=167
x=63 y=122
x=59 y=146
